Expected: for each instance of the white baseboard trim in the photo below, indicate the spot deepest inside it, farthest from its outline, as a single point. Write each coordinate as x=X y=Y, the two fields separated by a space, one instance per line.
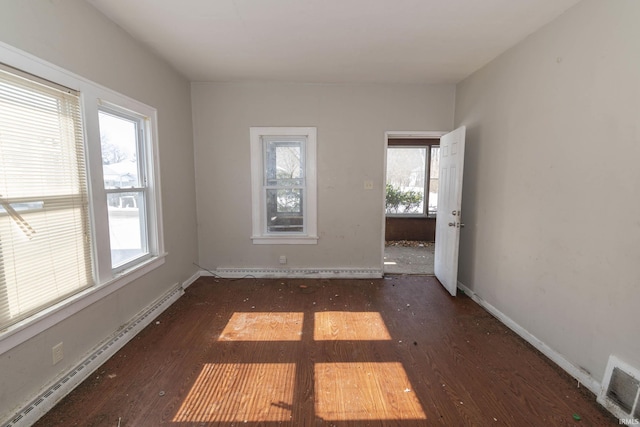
x=63 y=385
x=295 y=273
x=576 y=372
x=191 y=279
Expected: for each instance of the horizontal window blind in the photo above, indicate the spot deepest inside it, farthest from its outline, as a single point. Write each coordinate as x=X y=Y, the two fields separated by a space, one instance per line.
x=45 y=248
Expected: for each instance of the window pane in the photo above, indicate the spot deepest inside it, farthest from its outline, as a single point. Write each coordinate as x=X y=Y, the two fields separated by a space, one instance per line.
x=284 y=210
x=127 y=226
x=406 y=170
x=284 y=171
x=284 y=161
x=434 y=172
x=121 y=169
x=119 y=142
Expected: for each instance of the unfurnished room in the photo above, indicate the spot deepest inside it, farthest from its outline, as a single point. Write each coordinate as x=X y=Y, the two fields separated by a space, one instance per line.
x=319 y=213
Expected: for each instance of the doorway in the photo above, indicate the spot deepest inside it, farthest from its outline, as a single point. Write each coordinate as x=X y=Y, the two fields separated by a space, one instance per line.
x=411 y=257
x=411 y=174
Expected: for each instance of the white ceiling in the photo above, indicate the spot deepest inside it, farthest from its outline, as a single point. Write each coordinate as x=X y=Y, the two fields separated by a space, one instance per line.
x=330 y=41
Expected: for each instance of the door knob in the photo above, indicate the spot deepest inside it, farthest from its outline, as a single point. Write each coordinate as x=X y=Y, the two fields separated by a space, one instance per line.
x=452 y=224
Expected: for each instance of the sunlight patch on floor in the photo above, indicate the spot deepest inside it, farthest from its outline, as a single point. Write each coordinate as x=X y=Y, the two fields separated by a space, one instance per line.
x=267 y=326
x=365 y=391
x=349 y=325
x=239 y=392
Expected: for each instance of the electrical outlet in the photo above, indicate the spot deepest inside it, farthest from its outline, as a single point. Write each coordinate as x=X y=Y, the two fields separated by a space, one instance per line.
x=283 y=259
x=368 y=184
x=57 y=352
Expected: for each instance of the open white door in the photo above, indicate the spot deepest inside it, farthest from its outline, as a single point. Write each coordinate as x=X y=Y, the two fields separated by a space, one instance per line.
x=448 y=219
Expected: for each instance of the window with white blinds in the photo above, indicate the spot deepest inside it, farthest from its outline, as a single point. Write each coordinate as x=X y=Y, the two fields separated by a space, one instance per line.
x=45 y=245
x=80 y=205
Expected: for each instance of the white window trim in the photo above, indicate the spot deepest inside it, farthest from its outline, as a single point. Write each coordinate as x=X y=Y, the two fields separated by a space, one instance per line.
x=107 y=281
x=142 y=118
x=259 y=235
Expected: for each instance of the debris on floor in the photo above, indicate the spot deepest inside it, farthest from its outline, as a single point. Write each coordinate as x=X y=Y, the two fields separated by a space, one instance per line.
x=409 y=243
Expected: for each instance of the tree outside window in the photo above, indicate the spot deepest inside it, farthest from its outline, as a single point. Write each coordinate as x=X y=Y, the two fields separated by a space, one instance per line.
x=408 y=191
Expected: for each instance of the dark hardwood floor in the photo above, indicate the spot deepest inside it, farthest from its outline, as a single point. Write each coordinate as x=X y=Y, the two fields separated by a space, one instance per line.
x=397 y=351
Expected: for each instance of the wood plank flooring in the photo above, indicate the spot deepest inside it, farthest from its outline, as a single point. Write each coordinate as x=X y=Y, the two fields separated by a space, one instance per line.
x=397 y=351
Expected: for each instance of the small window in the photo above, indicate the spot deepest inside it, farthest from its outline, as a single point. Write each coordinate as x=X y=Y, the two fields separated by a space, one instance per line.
x=284 y=185
x=122 y=140
x=412 y=180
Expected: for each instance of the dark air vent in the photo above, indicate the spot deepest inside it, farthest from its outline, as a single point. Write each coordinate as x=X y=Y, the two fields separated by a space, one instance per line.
x=620 y=392
x=623 y=390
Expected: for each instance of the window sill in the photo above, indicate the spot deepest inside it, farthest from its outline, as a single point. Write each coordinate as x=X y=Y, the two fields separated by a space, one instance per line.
x=21 y=332
x=285 y=240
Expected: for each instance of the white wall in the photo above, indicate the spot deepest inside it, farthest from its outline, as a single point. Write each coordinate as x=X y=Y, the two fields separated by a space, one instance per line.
x=552 y=194
x=351 y=121
x=73 y=35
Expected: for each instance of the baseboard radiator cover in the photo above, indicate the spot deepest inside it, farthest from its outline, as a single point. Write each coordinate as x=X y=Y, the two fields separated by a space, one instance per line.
x=620 y=392
x=61 y=387
x=295 y=273
x=582 y=376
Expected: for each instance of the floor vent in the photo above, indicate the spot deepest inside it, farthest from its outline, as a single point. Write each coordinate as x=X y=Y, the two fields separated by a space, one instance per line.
x=45 y=401
x=620 y=392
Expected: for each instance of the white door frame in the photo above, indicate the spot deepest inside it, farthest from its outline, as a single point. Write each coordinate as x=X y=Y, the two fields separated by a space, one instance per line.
x=402 y=134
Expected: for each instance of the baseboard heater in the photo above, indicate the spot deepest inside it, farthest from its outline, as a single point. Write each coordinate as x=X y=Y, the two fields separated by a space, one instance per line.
x=295 y=273
x=63 y=386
